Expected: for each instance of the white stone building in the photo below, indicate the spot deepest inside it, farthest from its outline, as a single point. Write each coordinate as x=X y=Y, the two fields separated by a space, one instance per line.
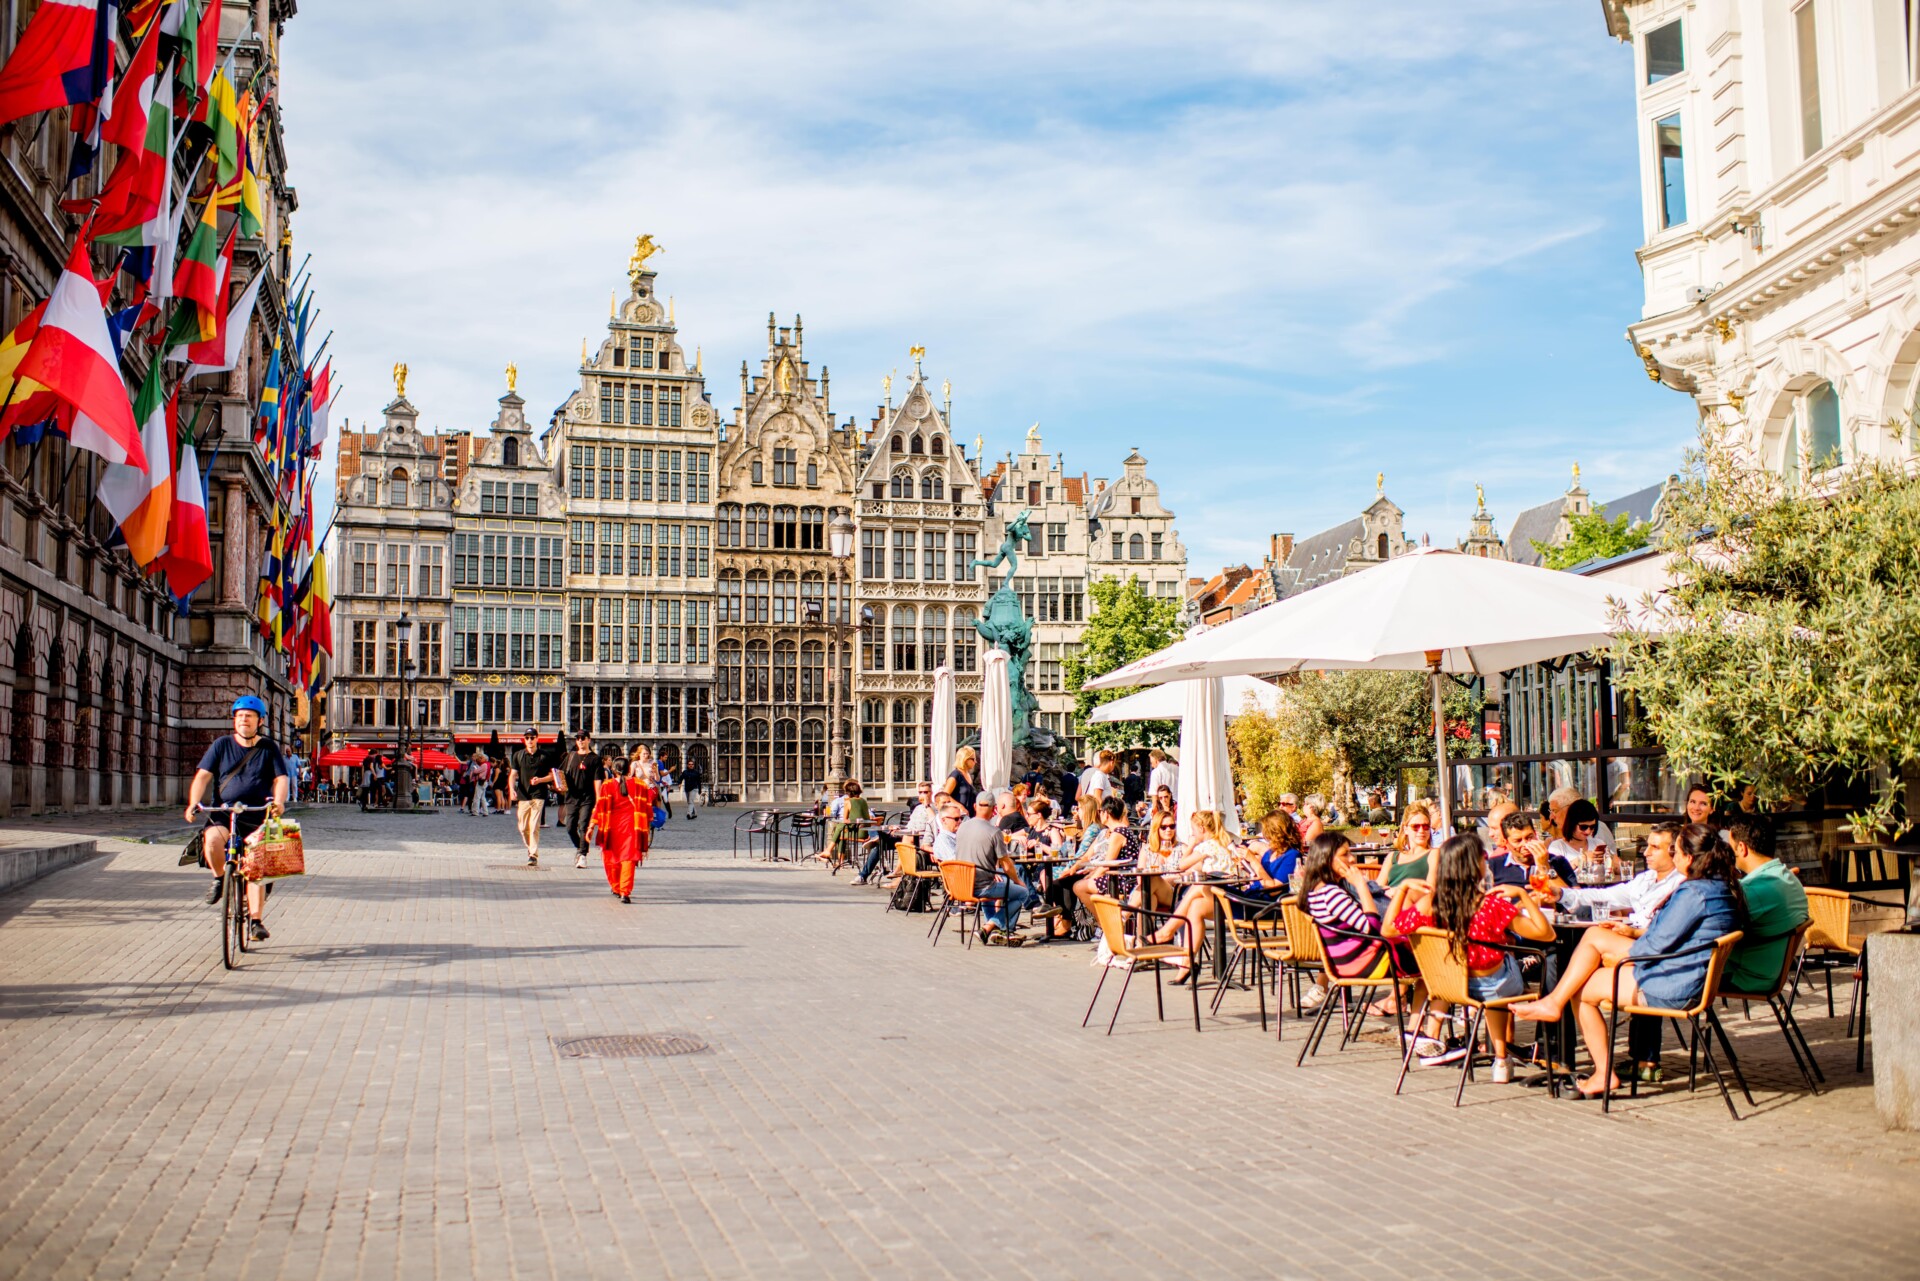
x=1780 y=162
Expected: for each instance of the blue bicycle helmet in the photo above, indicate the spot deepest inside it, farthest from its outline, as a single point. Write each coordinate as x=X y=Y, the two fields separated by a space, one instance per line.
x=248 y=703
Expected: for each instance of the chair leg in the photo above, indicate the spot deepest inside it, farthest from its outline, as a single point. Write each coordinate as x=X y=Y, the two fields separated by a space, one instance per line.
x=1315 y=1030
x=1806 y=1048
x=1159 y=997
x=1473 y=1043
x=1780 y=1016
x=1193 y=986
x=1733 y=1060
x=1124 y=984
x=939 y=925
x=1096 y=996
x=1260 y=984
x=1860 y=998
x=1706 y=1049
x=1605 y=1069
x=1406 y=1046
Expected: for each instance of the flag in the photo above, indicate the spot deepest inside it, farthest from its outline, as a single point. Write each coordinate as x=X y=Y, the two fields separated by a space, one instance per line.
x=207 y=358
x=72 y=356
x=268 y=416
x=141 y=498
x=222 y=115
x=267 y=608
x=322 y=406
x=64 y=57
x=126 y=126
x=320 y=605
x=199 y=22
x=136 y=203
x=199 y=278
x=27 y=401
x=188 y=560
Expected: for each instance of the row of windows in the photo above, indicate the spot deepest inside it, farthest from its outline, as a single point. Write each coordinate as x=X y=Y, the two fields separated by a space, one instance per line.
x=498 y=707
x=1138 y=547
x=638 y=629
x=639 y=353
x=896 y=739
x=920 y=554
x=642 y=709
x=784 y=600
x=639 y=404
x=639 y=549
x=786 y=470
x=509 y=498
x=919 y=641
x=385 y=713
x=507 y=638
x=375 y=650
x=639 y=473
x=407 y=567
x=506 y=560
x=779 y=528
x=783 y=672
x=936 y=445
x=785 y=750
x=932 y=485
x=1052 y=600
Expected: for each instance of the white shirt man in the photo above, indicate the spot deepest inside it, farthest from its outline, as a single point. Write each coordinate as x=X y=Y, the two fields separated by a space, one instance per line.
x=1095 y=781
x=1165 y=774
x=1642 y=895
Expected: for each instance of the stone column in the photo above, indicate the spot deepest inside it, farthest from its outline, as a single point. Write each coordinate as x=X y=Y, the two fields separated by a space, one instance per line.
x=235 y=524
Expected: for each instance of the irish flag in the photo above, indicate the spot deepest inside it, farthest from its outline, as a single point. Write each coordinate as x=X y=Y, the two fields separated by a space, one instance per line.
x=72 y=357
x=141 y=498
x=188 y=560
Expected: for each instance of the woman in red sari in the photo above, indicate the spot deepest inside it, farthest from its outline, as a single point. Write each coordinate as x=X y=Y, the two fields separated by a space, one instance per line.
x=623 y=820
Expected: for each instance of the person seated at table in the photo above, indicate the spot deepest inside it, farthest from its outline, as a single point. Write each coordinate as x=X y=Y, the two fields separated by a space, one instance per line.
x=962 y=784
x=1072 y=883
x=1580 y=845
x=1162 y=824
x=1455 y=901
x=1699 y=804
x=1705 y=905
x=995 y=878
x=1553 y=812
x=1775 y=904
x=1521 y=850
x=1275 y=851
x=844 y=828
x=1640 y=897
x=1378 y=815
x=1335 y=892
x=1489 y=826
x=1208 y=854
x=948 y=816
x=1312 y=820
x=919 y=829
x=1412 y=849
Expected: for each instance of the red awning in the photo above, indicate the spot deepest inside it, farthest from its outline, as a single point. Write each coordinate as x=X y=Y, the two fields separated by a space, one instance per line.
x=349 y=756
x=434 y=758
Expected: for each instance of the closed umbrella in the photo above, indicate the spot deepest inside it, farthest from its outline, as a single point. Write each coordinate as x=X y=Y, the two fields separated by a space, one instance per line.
x=1168 y=702
x=944 y=733
x=996 y=722
x=1431 y=610
x=1206 y=774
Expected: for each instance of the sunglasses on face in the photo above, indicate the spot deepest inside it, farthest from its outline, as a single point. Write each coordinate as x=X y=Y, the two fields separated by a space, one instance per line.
x=1419 y=827
x=1586 y=827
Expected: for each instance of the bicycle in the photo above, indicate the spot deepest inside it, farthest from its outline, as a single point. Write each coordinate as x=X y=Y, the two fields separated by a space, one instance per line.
x=233 y=898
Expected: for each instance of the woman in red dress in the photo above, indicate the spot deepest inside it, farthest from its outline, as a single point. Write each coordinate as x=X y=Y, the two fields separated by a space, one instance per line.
x=623 y=821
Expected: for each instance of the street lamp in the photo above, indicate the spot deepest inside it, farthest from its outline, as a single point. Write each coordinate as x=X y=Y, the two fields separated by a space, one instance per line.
x=840 y=532
x=403 y=768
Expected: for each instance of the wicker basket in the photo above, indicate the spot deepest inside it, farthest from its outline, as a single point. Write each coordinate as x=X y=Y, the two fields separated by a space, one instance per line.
x=269 y=856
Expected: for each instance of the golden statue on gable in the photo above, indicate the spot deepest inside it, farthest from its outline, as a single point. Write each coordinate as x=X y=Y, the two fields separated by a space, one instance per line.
x=400 y=381
x=513 y=375
x=783 y=376
x=643 y=249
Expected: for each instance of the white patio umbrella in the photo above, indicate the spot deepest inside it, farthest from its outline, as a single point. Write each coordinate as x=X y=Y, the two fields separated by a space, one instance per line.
x=944 y=732
x=1206 y=774
x=996 y=722
x=1169 y=702
x=1432 y=610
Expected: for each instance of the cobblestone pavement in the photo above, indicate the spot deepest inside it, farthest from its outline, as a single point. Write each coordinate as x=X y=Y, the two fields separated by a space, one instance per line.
x=377 y=1093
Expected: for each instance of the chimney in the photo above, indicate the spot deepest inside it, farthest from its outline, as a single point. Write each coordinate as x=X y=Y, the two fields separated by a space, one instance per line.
x=1280 y=549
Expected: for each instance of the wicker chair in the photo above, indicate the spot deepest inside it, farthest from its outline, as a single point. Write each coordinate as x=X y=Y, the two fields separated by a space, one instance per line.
x=1305 y=955
x=1259 y=940
x=1445 y=976
x=1775 y=994
x=1348 y=986
x=1699 y=1018
x=956 y=878
x=1111 y=914
x=908 y=855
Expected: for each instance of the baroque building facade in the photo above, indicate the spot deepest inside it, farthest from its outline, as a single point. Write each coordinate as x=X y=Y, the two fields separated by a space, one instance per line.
x=508 y=577
x=782 y=606
x=635 y=445
x=919 y=518
x=1779 y=151
x=395 y=518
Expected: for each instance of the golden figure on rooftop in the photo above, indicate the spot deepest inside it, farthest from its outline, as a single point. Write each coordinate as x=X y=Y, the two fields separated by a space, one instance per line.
x=886 y=387
x=513 y=375
x=643 y=249
x=783 y=376
x=1380 y=482
x=1480 y=497
x=400 y=381
x=1576 y=475
x=917 y=353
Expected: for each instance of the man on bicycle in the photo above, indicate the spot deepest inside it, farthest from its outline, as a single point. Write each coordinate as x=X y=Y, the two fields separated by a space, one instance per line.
x=241 y=768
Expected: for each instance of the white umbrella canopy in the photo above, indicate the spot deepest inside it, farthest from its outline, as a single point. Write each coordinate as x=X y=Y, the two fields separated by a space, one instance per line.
x=944 y=732
x=1206 y=774
x=996 y=722
x=1168 y=702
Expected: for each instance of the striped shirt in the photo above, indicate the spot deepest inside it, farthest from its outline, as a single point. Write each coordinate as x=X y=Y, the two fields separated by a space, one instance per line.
x=1331 y=904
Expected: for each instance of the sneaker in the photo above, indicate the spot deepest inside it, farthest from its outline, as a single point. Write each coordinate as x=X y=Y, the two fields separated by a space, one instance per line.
x=1502 y=1070
x=859 y=880
x=1649 y=1073
x=1315 y=998
x=257 y=931
x=1447 y=1054
x=1425 y=1047
x=626 y=898
x=990 y=935
x=218 y=889
x=580 y=861
x=533 y=860
x=1013 y=940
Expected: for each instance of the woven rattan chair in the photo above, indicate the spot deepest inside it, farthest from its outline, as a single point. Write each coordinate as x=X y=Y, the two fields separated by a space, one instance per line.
x=1445 y=977
x=911 y=871
x=1699 y=1017
x=1111 y=914
x=1350 y=987
x=1304 y=955
x=1775 y=994
x=1259 y=941
x=956 y=878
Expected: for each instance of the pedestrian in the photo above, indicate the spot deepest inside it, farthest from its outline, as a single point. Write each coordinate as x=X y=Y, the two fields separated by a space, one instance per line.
x=482 y=784
x=623 y=823
x=581 y=776
x=528 y=781
x=663 y=786
x=689 y=784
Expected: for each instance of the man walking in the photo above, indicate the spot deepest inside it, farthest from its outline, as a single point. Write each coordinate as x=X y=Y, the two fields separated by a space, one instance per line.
x=1165 y=774
x=580 y=777
x=690 y=783
x=527 y=784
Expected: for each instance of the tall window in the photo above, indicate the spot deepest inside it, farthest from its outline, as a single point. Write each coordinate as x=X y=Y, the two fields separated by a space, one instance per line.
x=813 y=748
x=786 y=672
x=758 y=673
x=1673 y=176
x=786 y=528
x=366 y=642
x=813 y=672
x=786 y=598
x=757 y=597
x=933 y=485
x=366 y=569
x=873 y=553
x=873 y=643
x=906 y=654
x=965 y=640
x=786 y=467
x=906 y=739
x=933 y=638
x=902 y=484
x=903 y=555
x=729 y=672
x=727 y=526
x=873 y=738
x=433 y=565
x=965 y=548
x=1136 y=547
x=399 y=571
x=757 y=531
x=933 y=559
x=431 y=648
x=730 y=752
x=813 y=529
x=729 y=597
x=1666 y=55
x=1806 y=53
x=510 y=452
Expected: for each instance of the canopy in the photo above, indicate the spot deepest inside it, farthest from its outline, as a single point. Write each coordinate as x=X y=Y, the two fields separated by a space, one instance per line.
x=353 y=757
x=1168 y=702
x=945 y=732
x=996 y=722
x=1206 y=774
x=434 y=758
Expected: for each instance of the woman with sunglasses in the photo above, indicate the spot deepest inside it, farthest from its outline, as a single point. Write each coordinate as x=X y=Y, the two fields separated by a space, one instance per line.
x=1583 y=848
x=1412 y=855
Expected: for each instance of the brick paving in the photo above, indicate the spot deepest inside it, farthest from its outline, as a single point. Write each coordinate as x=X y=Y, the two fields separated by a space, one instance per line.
x=377 y=1094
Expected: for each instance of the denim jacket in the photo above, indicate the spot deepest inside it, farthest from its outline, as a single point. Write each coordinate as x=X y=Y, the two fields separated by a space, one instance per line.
x=1697 y=912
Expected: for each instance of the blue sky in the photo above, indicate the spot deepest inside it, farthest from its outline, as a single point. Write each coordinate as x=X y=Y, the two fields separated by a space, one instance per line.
x=1278 y=246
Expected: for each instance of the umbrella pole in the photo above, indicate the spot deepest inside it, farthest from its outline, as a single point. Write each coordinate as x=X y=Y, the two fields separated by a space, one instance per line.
x=1443 y=786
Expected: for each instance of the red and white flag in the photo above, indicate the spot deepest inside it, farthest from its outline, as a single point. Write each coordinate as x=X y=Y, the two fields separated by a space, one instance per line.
x=72 y=356
x=188 y=560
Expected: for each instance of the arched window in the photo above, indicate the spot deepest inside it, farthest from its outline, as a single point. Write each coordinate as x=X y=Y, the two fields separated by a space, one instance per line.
x=1136 y=547
x=757 y=674
x=757 y=750
x=905 y=653
x=813 y=599
x=918 y=446
x=729 y=672
x=966 y=717
x=509 y=452
x=786 y=752
x=727 y=525
x=906 y=740
x=932 y=485
x=933 y=638
x=1383 y=546
x=757 y=596
x=729 y=751
x=757 y=526
x=813 y=751
x=813 y=672
x=873 y=739
x=729 y=596
x=1823 y=427
x=898 y=448
x=785 y=672
x=786 y=529
x=813 y=529
x=786 y=599
x=966 y=639
x=397 y=490
x=937 y=446
x=902 y=484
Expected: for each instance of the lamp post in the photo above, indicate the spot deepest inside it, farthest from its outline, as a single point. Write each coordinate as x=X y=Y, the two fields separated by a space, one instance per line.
x=840 y=533
x=403 y=768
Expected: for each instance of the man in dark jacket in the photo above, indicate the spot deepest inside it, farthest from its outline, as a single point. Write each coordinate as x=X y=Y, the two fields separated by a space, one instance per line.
x=580 y=773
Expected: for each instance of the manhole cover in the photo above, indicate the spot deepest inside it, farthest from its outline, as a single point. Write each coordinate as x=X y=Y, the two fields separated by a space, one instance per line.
x=646 y=1045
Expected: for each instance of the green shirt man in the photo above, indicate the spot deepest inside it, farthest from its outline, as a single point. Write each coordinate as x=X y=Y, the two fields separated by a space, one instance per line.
x=1775 y=905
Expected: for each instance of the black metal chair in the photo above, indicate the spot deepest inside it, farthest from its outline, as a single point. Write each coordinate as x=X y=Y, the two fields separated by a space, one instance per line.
x=1259 y=940
x=1775 y=994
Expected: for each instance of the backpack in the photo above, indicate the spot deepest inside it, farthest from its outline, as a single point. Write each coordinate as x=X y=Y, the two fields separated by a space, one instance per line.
x=912 y=894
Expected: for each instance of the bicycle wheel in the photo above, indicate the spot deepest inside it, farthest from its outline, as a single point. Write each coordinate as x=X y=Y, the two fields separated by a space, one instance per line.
x=232 y=941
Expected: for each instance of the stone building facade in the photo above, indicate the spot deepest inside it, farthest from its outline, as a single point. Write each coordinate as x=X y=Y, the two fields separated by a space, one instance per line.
x=919 y=520
x=635 y=447
x=508 y=578
x=392 y=534
x=1779 y=154
x=1375 y=536
x=782 y=608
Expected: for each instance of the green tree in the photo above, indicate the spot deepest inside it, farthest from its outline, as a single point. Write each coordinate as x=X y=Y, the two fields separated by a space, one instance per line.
x=1594 y=537
x=1787 y=652
x=1126 y=625
x=1372 y=723
x=1273 y=754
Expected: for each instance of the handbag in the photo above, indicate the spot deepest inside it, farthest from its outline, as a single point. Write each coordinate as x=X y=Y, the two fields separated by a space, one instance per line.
x=191 y=854
x=275 y=850
x=659 y=816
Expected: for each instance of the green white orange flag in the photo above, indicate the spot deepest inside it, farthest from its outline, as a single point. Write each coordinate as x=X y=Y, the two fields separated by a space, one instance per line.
x=141 y=497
